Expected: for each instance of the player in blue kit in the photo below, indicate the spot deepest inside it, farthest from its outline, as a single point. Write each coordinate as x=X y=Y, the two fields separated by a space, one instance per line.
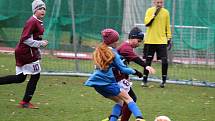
x=103 y=80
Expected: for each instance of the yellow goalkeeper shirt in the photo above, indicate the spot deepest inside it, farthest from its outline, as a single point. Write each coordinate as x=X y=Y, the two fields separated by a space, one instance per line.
x=159 y=31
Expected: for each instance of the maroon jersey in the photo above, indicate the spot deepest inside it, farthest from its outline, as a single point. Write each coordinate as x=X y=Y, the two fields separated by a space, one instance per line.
x=128 y=54
x=127 y=51
x=24 y=53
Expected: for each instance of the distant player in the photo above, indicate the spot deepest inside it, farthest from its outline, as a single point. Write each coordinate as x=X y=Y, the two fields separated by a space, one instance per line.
x=157 y=39
x=28 y=55
x=103 y=81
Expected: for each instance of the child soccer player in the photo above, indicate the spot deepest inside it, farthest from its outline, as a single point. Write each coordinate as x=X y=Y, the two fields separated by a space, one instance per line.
x=103 y=80
x=126 y=50
x=28 y=55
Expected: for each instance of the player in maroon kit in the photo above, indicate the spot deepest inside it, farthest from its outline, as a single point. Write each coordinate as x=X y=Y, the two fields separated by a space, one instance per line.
x=126 y=50
x=28 y=55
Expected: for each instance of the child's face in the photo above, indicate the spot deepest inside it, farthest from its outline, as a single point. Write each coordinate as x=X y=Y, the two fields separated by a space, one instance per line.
x=40 y=13
x=135 y=42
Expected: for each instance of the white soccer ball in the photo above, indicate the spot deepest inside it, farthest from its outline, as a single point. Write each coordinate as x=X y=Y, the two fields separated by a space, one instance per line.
x=162 y=118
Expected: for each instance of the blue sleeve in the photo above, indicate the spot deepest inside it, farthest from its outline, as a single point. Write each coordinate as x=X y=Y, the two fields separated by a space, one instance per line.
x=118 y=63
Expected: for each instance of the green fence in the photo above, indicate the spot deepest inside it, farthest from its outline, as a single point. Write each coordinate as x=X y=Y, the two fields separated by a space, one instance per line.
x=91 y=16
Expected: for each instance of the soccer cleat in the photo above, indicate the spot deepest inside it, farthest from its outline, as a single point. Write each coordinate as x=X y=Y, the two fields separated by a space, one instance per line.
x=139 y=119
x=106 y=119
x=162 y=85
x=29 y=105
x=144 y=84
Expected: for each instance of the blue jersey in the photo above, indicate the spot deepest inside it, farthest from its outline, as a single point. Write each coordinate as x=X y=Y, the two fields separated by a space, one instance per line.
x=105 y=77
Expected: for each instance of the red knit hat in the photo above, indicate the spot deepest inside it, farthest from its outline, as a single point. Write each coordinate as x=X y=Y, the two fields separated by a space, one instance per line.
x=109 y=36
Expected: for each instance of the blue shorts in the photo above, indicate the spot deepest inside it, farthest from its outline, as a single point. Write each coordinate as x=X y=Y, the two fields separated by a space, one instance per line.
x=108 y=90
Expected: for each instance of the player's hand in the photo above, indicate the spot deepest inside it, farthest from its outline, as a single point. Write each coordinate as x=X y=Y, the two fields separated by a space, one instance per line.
x=44 y=43
x=139 y=74
x=150 y=69
x=157 y=11
x=169 y=44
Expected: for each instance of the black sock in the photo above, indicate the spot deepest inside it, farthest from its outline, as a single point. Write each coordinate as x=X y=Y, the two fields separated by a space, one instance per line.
x=163 y=79
x=31 y=87
x=164 y=69
x=145 y=77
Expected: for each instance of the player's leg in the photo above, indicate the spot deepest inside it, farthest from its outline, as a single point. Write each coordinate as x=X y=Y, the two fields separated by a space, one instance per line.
x=12 y=79
x=148 y=53
x=111 y=91
x=34 y=70
x=162 y=54
x=131 y=104
x=116 y=110
x=31 y=87
x=29 y=92
x=126 y=113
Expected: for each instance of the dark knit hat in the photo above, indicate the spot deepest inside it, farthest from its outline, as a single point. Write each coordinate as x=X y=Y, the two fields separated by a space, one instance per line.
x=136 y=33
x=109 y=36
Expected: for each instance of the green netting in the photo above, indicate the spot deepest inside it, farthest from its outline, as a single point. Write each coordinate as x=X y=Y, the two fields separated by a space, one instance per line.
x=90 y=18
x=193 y=24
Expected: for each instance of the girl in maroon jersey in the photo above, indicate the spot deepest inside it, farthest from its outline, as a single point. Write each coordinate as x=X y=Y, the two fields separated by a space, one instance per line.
x=28 y=55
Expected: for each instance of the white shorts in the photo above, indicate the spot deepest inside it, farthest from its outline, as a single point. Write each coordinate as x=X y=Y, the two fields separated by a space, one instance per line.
x=125 y=85
x=31 y=68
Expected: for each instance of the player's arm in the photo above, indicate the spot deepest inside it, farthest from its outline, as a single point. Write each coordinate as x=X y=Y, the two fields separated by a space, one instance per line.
x=121 y=66
x=150 y=16
x=139 y=61
x=168 y=30
x=130 y=55
x=27 y=36
x=35 y=43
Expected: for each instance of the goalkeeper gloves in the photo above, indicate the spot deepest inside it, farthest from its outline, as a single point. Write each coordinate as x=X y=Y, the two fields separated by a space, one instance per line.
x=157 y=11
x=169 y=44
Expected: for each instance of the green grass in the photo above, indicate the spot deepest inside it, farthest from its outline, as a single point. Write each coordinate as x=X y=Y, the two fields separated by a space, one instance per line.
x=66 y=99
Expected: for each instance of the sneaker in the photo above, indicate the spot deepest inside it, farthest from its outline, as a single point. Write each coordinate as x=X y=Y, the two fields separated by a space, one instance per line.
x=162 y=85
x=106 y=119
x=29 y=105
x=139 y=119
x=144 y=84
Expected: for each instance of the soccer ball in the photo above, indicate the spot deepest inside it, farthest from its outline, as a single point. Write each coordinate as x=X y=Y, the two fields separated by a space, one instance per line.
x=162 y=118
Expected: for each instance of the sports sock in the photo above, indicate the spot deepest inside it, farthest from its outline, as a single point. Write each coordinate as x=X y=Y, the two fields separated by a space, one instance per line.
x=126 y=113
x=135 y=110
x=145 y=77
x=116 y=111
x=31 y=87
x=164 y=69
x=163 y=79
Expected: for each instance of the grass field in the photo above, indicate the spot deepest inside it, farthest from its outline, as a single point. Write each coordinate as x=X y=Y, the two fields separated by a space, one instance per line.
x=66 y=99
